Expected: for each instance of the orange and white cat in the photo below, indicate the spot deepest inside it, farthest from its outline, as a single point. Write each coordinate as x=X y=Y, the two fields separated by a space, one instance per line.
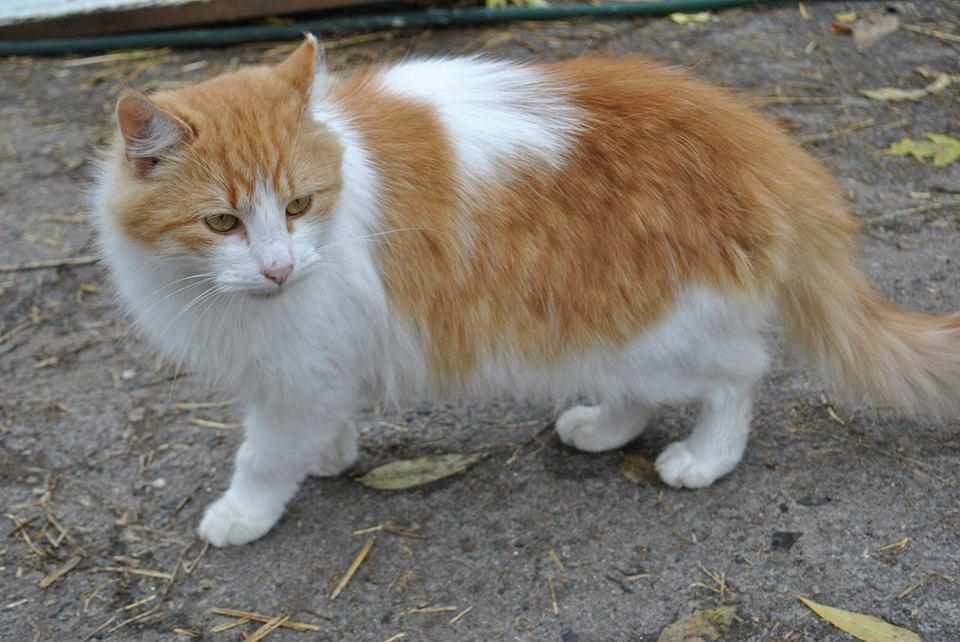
x=603 y=229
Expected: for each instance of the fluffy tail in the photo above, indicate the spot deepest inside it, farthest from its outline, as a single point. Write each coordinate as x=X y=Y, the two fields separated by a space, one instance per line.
x=868 y=346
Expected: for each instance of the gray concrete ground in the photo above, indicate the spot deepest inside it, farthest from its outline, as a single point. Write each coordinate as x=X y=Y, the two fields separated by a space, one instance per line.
x=540 y=542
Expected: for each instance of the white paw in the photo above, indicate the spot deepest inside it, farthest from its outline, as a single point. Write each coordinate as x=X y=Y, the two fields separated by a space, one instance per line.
x=341 y=455
x=578 y=427
x=227 y=523
x=586 y=428
x=680 y=468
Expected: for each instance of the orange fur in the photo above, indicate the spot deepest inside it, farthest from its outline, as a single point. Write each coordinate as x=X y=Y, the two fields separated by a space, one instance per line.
x=245 y=125
x=661 y=191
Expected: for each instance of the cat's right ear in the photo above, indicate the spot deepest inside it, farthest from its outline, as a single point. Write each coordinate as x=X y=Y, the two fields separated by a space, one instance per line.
x=148 y=131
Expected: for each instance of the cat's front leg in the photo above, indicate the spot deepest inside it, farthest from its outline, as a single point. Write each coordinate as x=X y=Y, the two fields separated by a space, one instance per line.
x=281 y=448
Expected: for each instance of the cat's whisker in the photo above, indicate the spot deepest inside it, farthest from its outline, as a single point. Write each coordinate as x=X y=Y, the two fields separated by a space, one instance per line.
x=376 y=235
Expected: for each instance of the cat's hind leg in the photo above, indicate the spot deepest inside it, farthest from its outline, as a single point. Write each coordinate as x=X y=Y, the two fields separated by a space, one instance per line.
x=280 y=450
x=719 y=439
x=603 y=427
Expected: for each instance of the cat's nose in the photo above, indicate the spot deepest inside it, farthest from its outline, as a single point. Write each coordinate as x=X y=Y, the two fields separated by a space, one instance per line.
x=278 y=272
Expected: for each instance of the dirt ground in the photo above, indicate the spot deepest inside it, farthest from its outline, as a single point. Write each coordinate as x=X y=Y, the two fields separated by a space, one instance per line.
x=105 y=475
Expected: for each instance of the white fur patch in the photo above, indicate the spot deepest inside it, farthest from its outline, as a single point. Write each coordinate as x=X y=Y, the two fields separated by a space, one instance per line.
x=494 y=112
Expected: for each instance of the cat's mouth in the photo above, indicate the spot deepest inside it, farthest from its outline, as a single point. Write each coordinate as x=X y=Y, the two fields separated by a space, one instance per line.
x=267 y=294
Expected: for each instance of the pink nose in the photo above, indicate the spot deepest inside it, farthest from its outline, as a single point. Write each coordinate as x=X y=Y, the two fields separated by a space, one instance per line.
x=278 y=272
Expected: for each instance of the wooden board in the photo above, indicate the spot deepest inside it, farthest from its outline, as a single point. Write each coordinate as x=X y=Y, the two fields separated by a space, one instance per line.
x=30 y=19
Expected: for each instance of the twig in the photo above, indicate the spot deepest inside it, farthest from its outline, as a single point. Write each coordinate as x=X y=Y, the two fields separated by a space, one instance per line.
x=200 y=405
x=267 y=628
x=122 y=56
x=52 y=263
x=60 y=572
x=209 y=423
x=160 y=575
x=358 y=560
x=427 y=610
x=795 y=100
x=837 y=132
x=553 y=597
x=15 y=330
x=459 y=616
x=893 y=216
x=941 y=35
x=257 y=617
x=135 y=618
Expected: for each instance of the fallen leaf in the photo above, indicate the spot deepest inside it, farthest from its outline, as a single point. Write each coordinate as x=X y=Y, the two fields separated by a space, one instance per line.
x=942 y=149
x=409 y=473
x=873 y=26
x=690 y=18
x=847 y=17
x=893 y=94
x=942 y=82
x=863 y=627
x=639 y=469
x=702 y=626
x=946 y=149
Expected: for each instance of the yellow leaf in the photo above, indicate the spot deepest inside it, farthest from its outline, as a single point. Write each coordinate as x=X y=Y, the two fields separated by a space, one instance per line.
x=848 y=17
x=891 y=93
x=409 y=473
x=946 y=149
x=942 y=82
x=863 y=627
x=943 y=149
x=639 y=469
x=894 y=94
x=690 y=18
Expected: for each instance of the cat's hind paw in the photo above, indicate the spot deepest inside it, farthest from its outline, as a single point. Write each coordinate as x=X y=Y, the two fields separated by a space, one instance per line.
x=580 y=427
x=227 y=523
x=339 y=458
x=681 y=468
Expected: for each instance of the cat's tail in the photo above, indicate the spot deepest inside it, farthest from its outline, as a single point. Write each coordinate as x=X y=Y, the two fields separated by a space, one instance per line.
x=864 y=343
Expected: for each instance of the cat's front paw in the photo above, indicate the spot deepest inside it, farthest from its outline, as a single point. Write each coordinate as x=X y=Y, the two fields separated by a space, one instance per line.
x=228 y=523
x=681 y=468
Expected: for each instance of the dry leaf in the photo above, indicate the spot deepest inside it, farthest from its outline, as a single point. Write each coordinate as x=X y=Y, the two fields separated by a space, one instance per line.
x=863 y=627
x=942 y=149
x=410 y=473
x=873 y=26
x=893 y=94
x=702 y=626
x=848 y=17
x=639 y=469
x=691 y=18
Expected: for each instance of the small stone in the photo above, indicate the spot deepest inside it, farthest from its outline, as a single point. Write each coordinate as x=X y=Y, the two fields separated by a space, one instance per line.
x=784 y=540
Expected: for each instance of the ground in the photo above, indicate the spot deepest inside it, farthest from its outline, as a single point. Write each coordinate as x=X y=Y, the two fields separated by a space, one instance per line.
x=102 y=469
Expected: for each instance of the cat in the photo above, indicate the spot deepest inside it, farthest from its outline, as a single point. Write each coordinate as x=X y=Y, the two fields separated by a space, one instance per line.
x=603 y=229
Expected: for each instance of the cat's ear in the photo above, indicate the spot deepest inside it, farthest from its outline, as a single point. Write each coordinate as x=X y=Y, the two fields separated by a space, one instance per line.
x=148 y=131
x=306 y=68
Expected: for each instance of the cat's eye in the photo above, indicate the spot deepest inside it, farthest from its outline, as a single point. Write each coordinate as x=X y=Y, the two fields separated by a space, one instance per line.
x=298 y=206
x=222 y=223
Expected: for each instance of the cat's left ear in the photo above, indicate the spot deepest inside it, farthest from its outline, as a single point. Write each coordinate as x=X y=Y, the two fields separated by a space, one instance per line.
x=306 y=68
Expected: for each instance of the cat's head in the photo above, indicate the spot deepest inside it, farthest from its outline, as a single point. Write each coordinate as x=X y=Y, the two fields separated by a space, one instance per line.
x=230 y=177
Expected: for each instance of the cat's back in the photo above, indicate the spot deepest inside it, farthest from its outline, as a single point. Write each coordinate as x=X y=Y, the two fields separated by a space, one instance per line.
x=545 y=208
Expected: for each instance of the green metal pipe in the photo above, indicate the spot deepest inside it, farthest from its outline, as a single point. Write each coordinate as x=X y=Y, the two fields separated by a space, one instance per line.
x=416 y=19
